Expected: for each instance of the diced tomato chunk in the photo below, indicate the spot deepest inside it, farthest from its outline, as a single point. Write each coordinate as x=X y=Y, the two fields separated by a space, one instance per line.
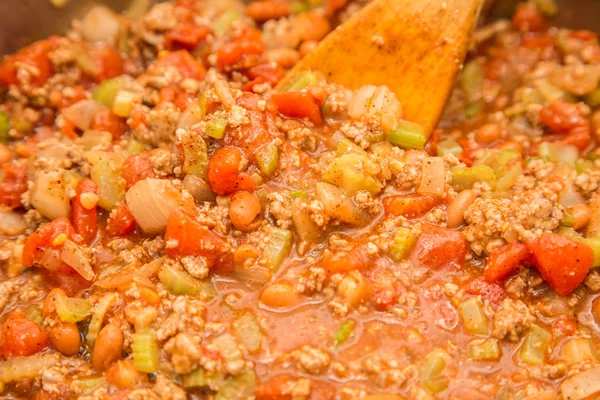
x=345 y=261
x=35 y=55
x=85 y=220
x=527 y=18
x=191 y=238
x=223 y=172
x=185 y=36
x=109 y=61
x=233 y=52
x=121 y=221
x=410 y=205
x=184 y=62
x=106 y=120
x=563 y=263
x=492 y=292
x=177 y=96
x=20 y=336
x=505 y=261
x=138 y=167
x=274 y=389
x=567 y=119
x=439 y=247
x=44 y=238
x=67 y=279
x=14 y=184
x=298 y=105
x=271 y=73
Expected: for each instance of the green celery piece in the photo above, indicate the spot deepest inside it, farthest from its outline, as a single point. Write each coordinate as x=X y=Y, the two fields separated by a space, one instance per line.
x=345 y=146
x=465 y=177
x=224 y=21
x=404 y=240
x=135 y=147
x=474 y=319
x=178 y=282
x=239 y=387
x=593 y=99
x=145 y=351
x=569 y=232
x=4 y=127
x=344 y=173
x=247 y=329
x=215 y=128
x=472 y=110
x=300 y=81
x=344 y=332
x=106 y=92
x=277 y=248
x=448 y=146
x=432 y=365
x=508 y=178
x=106 y=173
x=582 y=166
x=437 y=384
x=489 y=350
x=34 y=313
x=267 y=158
x=532 y=96
x=472 y=79
x=568 y=219
x=408 y=135
x=537 y=341
x=552 y=93
x=594 y=243
x=298 y=194
x=72 y=309
x=199 y=378
x=89 y=384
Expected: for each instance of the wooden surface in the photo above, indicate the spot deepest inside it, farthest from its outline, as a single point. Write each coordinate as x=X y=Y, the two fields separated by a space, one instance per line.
x=415 y=47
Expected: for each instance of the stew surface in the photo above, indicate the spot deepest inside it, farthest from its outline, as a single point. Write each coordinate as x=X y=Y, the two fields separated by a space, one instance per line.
x=174 y=227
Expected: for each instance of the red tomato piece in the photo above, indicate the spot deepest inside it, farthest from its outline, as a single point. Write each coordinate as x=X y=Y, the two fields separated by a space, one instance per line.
x=184 y=62
x=137 y=167
x=42 y=239
x=193 y=238
x=527 y=18
x=177 y=96
x=345 y=261
x=121 y=221
x=36 y=55
x=109 y=62
x=20 y=336
x=439 y=247
x=106 y=120
x=505 y=261
x=67 y=279
x=223 y=172
x=268 y=72
x=492 y=292
x=14 y=184
x=562 y=262
x=298 y=105
x=410 y=205
x=233 y=52
x=185 y=36
x=274 y=389
x=85 y=221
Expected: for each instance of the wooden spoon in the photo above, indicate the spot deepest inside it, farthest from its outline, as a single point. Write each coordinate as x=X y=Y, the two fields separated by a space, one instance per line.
x=415 y=47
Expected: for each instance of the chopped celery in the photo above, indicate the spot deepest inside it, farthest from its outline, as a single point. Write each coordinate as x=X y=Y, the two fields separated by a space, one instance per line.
x=582 y=166
x=344 y=332
x=298 y=194
x=89 y=384
x=594 y=243
x=300 y=81
x=502 y=159
x=547 y=7
x=34 y=313
x=106 y=173
x=515 y=110
x=228 y=348
x=145 y=351
x=532 y=96
x=552 y=93
x=267 y=158
x=472 y=110
x=537 y=341
x=239 y=387
x=247 y=329
x=106 y=92
x=123 y=103
x=4 y=127
x=100 y=310
x=72 y=309
x=277 y=248
x=557 y=152
x=300 y=6
x=437 y=384
x=578 y=350
x=472 y=79
x=348 y=173
x=474 y=318
x=134 y=147
x=508 y=177
x=91 y=139
x=569 y=232
x=488 y=350
x=433 y=365
x=404 y=240
x=207 y=290
x=593 y=99
x=408 y=135
x=195 y=153
x=568 y=219
x=224 y=21
x=448 y=146
x=200 y=378
x=465 y=177
x=345 y=146
x=178 y=282
x=215 y=128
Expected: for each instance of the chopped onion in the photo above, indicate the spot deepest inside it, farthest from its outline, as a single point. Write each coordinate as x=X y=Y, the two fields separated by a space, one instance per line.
x=338 y=205
x=254 y=275
x=49 y=195
x=81 y=113
x=85 y=62
x=151 y=201
x=582 y=385
x=377 y=101
x=100 y=24
x=12 y=223
x=190 y=117
x=433 y=176
x=569 y=196
x=50 y=260
x=74 y=257
x=304 y=225
x=25 y=367
x=359 y=102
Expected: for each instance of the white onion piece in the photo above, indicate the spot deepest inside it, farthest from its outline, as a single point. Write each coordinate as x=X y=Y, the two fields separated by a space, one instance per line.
x=12 y=223
x=433 y=176
x=49 y=195
x=582 y=385
x=190 y=117
x=569 y=196
x=151 y=201
x=386 y=106
x=100 y=24
x=359 y=102
x=25 y=367
x=50 y=260
x=81 y=113
x=337 y=204
x=75 y=258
